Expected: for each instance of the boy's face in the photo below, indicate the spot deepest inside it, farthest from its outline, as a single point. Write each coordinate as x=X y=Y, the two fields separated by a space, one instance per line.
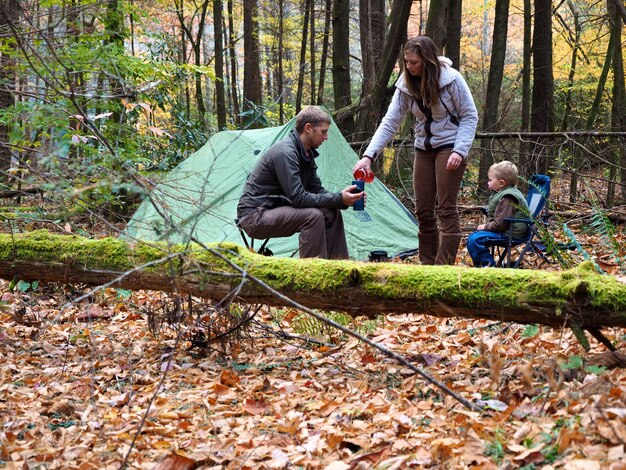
x=494 y=183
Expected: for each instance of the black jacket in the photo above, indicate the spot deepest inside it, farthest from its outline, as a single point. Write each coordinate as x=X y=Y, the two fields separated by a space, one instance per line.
x=286 y=176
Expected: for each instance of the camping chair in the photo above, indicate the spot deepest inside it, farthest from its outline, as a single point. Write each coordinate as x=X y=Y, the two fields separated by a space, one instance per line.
x=250 y=244
x=538 y=193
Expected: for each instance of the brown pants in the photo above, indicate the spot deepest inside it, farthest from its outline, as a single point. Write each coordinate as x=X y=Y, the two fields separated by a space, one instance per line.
x=321 y=230
x=436 y=191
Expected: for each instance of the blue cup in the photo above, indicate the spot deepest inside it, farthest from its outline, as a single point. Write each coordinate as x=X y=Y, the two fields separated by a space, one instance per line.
x=360 y=186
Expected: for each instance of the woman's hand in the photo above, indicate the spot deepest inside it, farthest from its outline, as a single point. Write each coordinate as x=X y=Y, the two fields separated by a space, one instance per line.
x=365 y=163
x=454 y=161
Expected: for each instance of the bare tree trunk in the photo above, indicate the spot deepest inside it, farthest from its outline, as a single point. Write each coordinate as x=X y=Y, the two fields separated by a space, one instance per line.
x=524 y=148
x=543 y=84
x=252 y=93
x=372 y=35
x=308 y=6
x=453 y=39
x=494 y=85
x=342 y=85
x=312 y=49
x=220 y=93
x=9 y=15
x=279 y=53
x=618 y=105
x=572 y=71
x=436 y=24
x=195 y=36
x=593 y=112
x=374 y=105
x=234 y=93
x=325 y=46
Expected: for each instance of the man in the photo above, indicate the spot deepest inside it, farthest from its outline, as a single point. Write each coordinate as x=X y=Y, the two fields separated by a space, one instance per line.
x=284 y=195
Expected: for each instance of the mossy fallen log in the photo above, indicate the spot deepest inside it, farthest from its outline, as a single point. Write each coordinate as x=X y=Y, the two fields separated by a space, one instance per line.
x=580 y=296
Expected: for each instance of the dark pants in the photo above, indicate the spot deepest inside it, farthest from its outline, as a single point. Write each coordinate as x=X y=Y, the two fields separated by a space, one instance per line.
x=436 y=191
x=321 y=230
x=478 y=250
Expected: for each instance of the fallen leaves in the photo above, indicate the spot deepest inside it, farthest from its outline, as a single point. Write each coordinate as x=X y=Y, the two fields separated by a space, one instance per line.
x=81 y=394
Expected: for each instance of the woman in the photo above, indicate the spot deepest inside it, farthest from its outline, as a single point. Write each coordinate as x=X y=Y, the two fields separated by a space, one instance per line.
x=446 y=120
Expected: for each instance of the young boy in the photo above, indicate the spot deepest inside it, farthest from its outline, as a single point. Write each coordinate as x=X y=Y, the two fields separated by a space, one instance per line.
x=506 y=202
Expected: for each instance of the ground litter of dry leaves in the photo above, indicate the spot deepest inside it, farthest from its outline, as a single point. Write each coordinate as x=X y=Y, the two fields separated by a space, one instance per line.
x=79 y=383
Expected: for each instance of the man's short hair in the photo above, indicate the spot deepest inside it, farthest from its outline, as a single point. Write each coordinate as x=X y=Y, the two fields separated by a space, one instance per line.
x=311 y=114
x=505 y=170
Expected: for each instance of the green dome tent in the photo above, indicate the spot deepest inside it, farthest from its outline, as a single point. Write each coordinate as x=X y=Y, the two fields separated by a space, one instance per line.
x=200 y=197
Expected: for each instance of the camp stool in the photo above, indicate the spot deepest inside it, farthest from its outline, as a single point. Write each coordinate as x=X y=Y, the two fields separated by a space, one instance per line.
x=250 y=244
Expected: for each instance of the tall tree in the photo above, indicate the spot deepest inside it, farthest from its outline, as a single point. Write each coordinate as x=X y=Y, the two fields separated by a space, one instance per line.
x=312 y=49
x=195 y=35
x=252 y=90
x=494 y=85
x=453 y=40
x=572 y=71
x=618 y=102
x=279 y=78
x=372 y=21
x=437 y=22
x=308 y=7
x=9 y=14
x=372 y=106
x=325 y=46
x=220 y=94
x=234 y=93
x=342 y=85
x=543 y=84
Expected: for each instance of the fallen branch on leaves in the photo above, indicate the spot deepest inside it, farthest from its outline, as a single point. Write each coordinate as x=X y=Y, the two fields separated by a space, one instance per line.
x=579 y=298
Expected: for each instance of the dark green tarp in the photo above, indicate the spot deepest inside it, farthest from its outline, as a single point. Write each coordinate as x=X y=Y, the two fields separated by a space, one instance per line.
x=200 y=197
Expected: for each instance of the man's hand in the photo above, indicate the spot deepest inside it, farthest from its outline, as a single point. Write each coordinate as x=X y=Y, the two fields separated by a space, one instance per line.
x=365 y=163
x=454 y=161
x=481 y=227
x=349 y=197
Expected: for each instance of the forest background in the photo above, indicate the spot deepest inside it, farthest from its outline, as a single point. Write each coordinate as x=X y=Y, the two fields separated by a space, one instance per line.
x=98 y=100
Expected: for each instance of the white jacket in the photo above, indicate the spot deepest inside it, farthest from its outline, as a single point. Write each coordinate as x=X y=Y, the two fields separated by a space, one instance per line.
x=452 y=124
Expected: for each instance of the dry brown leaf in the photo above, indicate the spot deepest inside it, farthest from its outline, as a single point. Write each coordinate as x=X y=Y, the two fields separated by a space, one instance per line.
x=255 y=407
x=176 y=462
x=229 y=378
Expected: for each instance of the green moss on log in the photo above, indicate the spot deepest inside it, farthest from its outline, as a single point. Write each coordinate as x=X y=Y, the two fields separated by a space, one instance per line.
x=424 y=285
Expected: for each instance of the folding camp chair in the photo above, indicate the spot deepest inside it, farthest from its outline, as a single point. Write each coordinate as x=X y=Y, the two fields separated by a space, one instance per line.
x=538 y=193
x=263 y=250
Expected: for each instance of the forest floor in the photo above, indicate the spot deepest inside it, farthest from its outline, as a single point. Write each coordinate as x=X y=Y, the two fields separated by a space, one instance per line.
x=114 y=381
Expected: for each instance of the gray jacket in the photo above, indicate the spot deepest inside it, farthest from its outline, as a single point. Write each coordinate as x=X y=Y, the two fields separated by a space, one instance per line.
x=286 y=176
x=451 y=124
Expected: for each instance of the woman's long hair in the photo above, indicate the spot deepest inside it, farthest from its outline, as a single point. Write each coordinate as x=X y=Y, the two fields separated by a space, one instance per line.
x=426 y=87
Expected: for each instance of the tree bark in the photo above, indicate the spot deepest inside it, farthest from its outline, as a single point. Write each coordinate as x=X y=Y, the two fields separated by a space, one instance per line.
x=325 y=47
x=195 y=36
x=308 y=9
x=618 y=108
x=220 y=92
x=342 y=87
x=252 y=71
x=579 y=297
x=372 y=35
x=373 y=105
x=494 y=85
x=543 y=84
x=453 y=32
x=436 y=24
x=234 y=94
x=9 y=11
